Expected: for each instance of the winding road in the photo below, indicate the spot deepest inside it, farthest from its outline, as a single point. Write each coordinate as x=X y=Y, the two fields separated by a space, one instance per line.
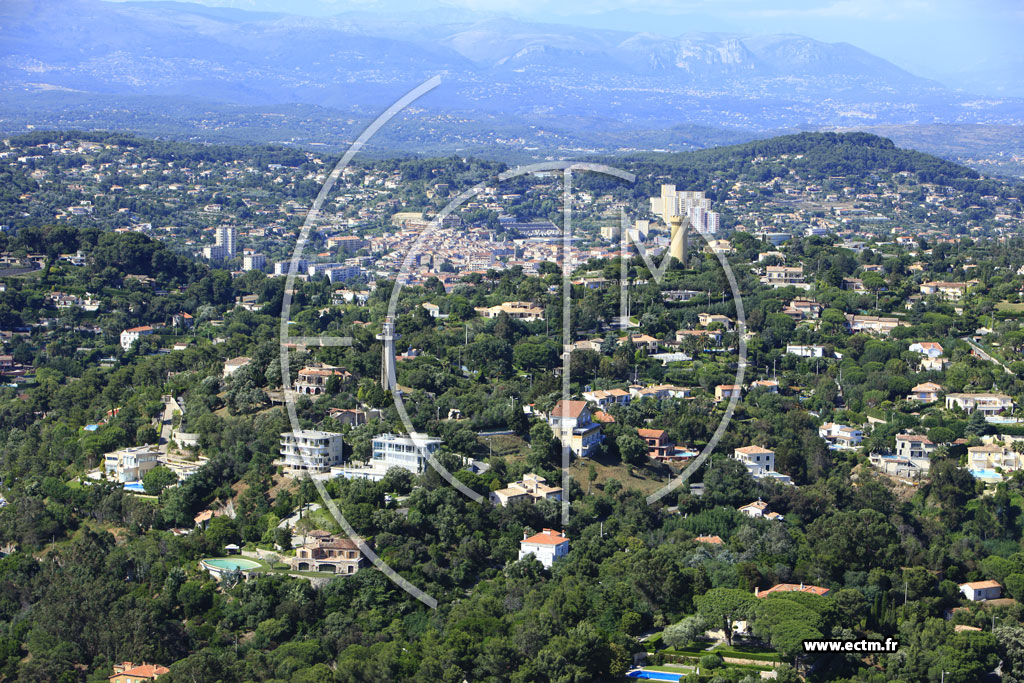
x=984 y=355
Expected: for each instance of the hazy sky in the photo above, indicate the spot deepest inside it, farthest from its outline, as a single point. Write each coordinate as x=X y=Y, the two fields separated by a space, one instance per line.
x=935 y=38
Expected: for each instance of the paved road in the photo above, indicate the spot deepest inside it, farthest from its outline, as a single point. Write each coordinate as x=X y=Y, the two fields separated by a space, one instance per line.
x=291 y=521
x=167 y=425
x=984 y=355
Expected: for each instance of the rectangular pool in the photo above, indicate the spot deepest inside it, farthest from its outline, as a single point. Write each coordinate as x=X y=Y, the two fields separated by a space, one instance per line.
x=654 y=675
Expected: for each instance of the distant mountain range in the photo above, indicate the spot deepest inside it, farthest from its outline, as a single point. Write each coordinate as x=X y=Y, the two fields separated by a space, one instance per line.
x=98 y=58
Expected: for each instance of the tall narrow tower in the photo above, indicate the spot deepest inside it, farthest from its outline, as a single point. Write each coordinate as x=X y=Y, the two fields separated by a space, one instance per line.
x=387 y=361
x=677 y=237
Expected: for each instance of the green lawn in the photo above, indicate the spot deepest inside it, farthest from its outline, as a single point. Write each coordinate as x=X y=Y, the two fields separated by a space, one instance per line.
x=1007 y=307
x=742 y=652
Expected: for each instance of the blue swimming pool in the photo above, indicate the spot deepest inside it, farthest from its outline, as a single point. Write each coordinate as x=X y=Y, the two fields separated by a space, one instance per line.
x=654 y=675
x=230 y=563
x=135 y=486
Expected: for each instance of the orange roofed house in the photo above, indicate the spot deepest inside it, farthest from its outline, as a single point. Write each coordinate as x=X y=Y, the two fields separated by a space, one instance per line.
x=548 y=546
x=127 y=672
x=724 y=392
x=658 y=446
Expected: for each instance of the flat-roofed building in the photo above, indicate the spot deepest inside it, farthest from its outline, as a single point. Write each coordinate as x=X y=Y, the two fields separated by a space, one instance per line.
x=310 y=450
x=408 y=452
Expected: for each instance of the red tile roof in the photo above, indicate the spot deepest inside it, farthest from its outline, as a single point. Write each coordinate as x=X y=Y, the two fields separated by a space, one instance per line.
x=547 y=537
x=144 y=671
x=572 y=409
x=713 y=540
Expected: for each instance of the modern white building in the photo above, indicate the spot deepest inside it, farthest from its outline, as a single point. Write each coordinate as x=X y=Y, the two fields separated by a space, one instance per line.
x=226 y=237
x=132 y=335
x=409 y=452
x=761 y=463
x=548 y=546
x=911 y=446
x=130 y=464
x=841 y=436
x=806 y=350
x=284 y=267
x=785 y=276
x=344 y=273
x=309 y=450
x=254 y=262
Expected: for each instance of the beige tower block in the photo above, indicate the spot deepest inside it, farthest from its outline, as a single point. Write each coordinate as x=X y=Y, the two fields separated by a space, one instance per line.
x=677 y=243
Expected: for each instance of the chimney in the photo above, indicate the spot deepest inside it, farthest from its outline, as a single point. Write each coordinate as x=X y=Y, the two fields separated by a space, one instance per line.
x=525 y=535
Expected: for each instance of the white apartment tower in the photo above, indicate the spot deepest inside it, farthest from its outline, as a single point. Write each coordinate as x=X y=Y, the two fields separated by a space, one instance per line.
x=226 y=237
x=692 y=205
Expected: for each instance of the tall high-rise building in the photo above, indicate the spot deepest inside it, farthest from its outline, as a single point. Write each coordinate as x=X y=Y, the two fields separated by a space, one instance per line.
x=692 y=205
x=224 y=244
x=226 y=237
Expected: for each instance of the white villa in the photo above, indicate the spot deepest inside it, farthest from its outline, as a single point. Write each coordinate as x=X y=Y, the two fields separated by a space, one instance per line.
x=548 y=546
x=987 y=403
x=133 y=334
x=130 y=464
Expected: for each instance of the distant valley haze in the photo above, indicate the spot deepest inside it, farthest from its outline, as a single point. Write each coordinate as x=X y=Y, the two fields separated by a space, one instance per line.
x=536 y=78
